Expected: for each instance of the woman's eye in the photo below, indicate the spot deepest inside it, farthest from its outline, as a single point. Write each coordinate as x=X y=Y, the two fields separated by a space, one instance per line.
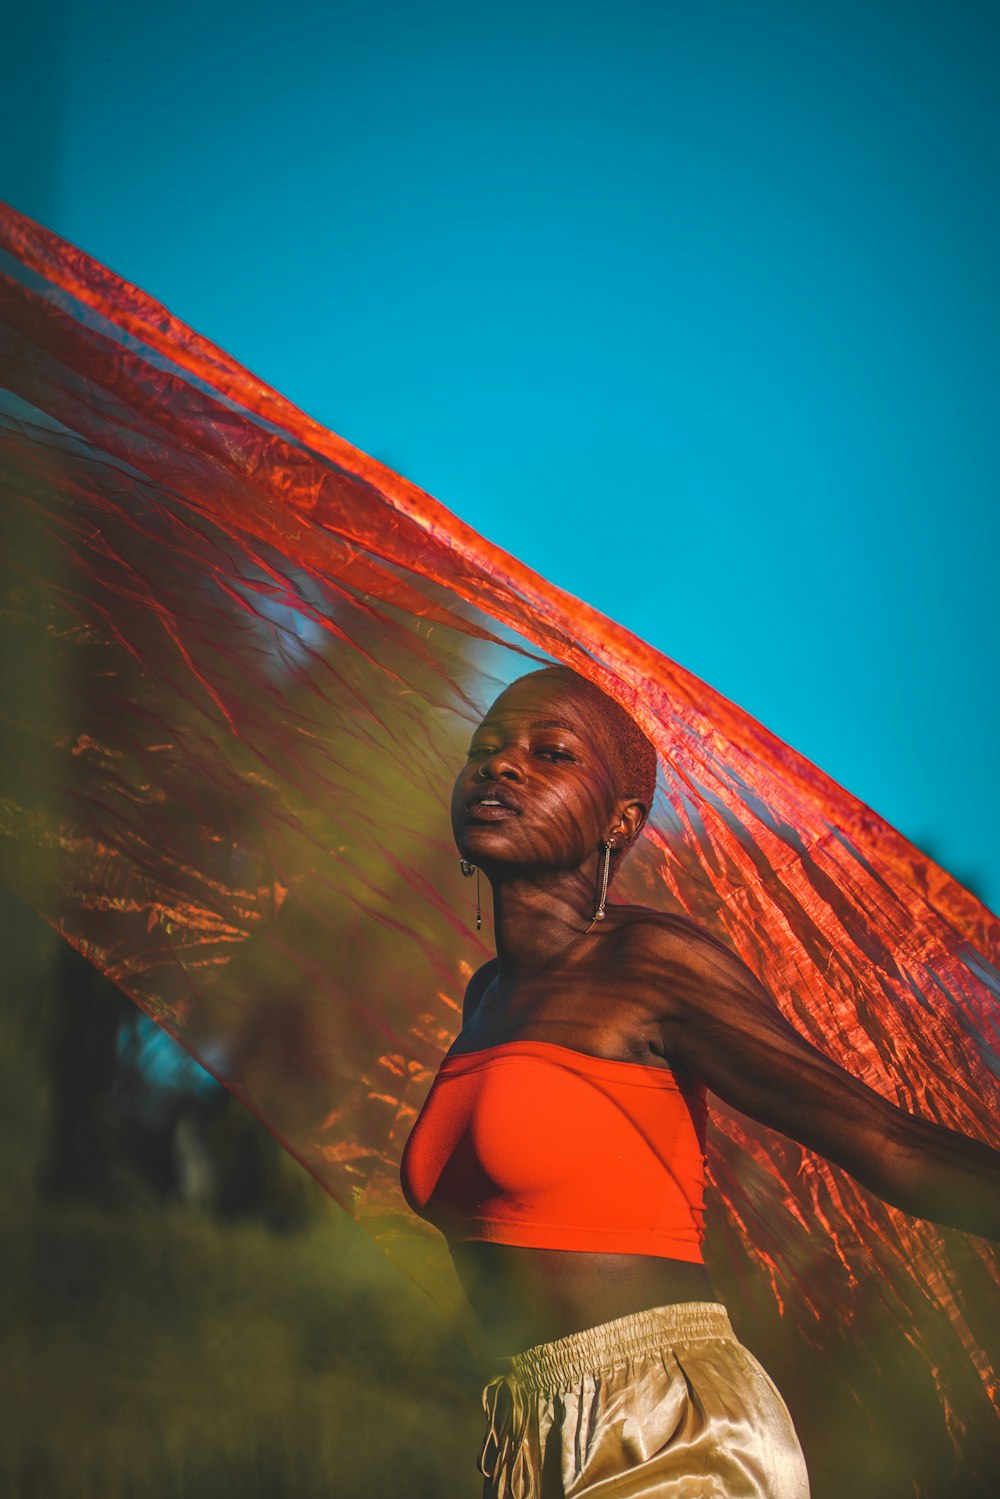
x=478 y=750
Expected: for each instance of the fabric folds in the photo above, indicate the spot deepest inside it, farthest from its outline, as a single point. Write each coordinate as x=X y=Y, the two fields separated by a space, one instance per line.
x=242 y=660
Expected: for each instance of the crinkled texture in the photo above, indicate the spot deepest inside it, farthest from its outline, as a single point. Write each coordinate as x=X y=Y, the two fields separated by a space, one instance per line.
x=244 y=660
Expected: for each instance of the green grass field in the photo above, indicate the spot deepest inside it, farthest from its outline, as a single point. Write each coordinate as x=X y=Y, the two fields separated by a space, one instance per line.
x=155 y=1353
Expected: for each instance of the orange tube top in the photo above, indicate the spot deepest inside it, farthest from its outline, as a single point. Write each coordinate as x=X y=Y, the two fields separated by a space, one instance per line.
x=532 y=1143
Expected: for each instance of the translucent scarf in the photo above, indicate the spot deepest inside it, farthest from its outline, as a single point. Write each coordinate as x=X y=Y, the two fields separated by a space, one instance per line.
x=246 y=660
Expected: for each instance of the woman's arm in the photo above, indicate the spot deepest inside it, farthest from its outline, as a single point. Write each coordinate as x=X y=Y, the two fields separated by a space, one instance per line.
x=723 y=1026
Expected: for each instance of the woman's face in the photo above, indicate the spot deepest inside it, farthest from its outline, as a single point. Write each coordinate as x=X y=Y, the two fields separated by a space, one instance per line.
x=540 y=752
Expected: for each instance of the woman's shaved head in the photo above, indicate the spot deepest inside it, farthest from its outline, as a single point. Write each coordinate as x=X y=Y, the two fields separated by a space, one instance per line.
x=630 y=754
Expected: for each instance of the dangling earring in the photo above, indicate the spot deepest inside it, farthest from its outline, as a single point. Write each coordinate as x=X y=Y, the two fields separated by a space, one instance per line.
x=469 y=870
x=599 y=913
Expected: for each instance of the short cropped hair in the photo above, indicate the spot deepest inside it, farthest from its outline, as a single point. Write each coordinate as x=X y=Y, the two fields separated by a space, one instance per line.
x=632 y=756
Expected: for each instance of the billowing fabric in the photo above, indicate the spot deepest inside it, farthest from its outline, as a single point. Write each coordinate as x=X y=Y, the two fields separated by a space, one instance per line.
x=241 y=665
x=661 y=1404
x=532 y=1143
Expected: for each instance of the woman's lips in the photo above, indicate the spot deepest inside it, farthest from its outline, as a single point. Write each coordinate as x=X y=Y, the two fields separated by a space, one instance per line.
x=487 y=812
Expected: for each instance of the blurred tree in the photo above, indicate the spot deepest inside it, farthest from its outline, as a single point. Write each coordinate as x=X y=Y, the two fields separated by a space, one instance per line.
x=83 y=1014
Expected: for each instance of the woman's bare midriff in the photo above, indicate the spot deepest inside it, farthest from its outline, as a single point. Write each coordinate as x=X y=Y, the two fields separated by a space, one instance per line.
x=522 y=1296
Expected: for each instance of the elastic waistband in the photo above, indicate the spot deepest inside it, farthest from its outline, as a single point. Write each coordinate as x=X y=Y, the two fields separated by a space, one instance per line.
x=560 y=1364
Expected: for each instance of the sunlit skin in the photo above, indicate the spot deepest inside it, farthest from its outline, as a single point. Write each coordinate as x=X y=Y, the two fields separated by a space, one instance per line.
x=649 y=987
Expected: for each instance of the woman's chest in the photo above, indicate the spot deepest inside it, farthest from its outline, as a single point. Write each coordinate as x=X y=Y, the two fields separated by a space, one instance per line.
x=598 y=1016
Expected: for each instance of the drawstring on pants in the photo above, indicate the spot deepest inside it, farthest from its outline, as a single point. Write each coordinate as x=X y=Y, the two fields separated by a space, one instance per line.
x=507 y=1416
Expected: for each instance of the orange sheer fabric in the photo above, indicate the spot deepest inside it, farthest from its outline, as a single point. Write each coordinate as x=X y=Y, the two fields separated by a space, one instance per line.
x=245 y=660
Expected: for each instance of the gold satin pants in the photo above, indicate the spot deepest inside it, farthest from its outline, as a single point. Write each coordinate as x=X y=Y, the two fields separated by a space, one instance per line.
x=663 y=1403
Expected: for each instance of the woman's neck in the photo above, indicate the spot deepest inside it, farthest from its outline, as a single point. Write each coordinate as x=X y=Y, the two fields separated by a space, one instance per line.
x=540 y=924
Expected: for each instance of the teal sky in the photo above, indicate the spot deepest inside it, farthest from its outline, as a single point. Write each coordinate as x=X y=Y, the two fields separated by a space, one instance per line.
x=693 y=307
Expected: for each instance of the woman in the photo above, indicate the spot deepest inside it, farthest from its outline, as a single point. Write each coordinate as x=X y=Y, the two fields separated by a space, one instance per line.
x=561 y=1148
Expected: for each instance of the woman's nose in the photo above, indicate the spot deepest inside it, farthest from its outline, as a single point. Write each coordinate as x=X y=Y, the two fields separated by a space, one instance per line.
x=502 y=763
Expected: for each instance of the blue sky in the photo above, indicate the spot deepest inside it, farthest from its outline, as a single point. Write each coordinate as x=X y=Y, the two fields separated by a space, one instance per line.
x=694 y=308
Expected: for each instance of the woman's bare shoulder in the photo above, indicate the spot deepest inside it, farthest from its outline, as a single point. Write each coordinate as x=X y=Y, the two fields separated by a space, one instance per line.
x=664 y=932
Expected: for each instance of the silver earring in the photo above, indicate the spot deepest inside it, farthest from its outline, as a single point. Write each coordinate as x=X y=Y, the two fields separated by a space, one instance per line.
x=469 y=870
x=599 y=913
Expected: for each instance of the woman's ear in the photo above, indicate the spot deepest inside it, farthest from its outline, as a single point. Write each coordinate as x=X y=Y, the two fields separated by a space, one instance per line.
x=631 y=816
